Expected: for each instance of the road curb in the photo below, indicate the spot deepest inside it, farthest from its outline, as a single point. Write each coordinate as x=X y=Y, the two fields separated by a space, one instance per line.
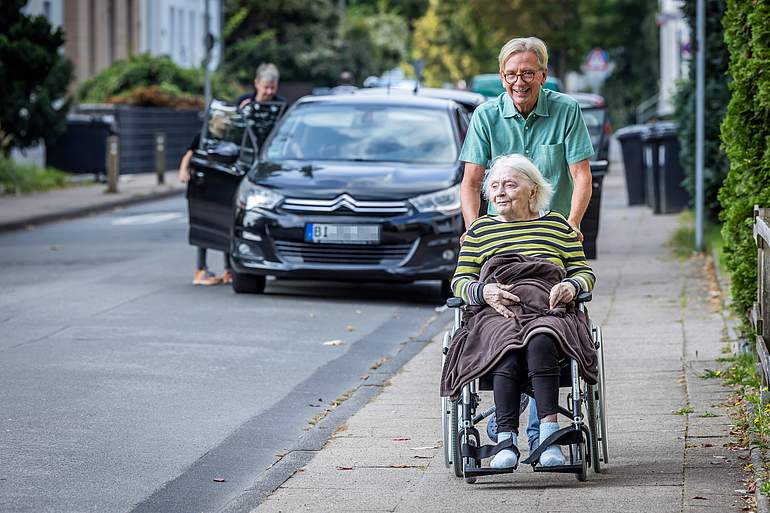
x=316 y=438
x=75 y=212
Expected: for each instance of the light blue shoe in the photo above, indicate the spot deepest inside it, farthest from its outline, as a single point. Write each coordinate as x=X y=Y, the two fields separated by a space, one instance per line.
x=552 y=456
x=507 y=458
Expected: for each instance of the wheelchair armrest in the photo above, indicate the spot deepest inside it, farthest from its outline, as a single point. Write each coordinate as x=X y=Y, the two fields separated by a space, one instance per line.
x=454 y=302
x=584 y=297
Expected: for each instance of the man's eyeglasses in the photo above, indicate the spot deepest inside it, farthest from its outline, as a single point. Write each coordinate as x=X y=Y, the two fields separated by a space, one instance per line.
x=526 y=76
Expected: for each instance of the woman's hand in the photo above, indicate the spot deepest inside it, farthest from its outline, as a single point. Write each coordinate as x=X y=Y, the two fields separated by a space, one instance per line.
x=498 y=297
x=562 y=292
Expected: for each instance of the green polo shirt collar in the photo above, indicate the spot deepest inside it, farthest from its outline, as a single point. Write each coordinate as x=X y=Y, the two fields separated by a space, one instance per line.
x=541 y=107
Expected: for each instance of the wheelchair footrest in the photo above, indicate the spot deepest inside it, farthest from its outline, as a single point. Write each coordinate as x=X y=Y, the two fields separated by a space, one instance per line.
x=565 y=436
x=486 y=471
x=568 y=469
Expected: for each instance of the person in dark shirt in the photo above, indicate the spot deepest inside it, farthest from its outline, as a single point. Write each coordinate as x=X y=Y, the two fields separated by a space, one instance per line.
x=202 y=276
x=265 y=87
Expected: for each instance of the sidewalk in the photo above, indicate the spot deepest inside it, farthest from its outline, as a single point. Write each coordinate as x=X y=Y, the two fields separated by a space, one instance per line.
x=661 y=332
x=31 y=209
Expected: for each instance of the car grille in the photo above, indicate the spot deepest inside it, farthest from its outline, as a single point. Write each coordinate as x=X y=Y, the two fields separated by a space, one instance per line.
x=344 y=204
x=343 y=254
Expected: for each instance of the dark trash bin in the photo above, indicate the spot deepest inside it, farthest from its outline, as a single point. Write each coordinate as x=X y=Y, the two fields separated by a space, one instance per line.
x=650 y=157
x=663 y=173
x=590 y=224
x=630 y=138
x=673 y=196
x=82 y=148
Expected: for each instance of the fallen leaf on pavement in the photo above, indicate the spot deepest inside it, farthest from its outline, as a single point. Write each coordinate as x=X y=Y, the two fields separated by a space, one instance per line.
x=399 y=465
x=349 y=327
x=344 y=468
x=708 y=445
x=336 y=342
x=400 y=439
x=219 y=479
x=699 y=498
x=422 y=457
x=425 y=447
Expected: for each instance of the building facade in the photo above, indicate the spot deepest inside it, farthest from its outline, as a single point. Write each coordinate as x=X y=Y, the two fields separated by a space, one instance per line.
x=100 y=32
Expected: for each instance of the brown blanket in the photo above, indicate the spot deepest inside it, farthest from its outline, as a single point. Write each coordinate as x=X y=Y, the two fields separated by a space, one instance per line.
x=486 y=335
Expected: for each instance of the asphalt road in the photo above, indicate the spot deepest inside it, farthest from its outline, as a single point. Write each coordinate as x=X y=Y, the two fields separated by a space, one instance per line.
x=125 y=388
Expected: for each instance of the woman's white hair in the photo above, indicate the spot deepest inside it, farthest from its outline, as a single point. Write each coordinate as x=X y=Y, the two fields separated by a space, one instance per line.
x=267 y=72
x=525 y=44
x=521 y=164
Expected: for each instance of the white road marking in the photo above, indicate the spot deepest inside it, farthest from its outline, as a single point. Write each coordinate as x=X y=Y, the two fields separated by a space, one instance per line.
x=152 y=218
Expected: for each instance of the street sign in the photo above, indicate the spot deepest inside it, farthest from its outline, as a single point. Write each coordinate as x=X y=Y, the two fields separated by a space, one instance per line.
x=596 y=60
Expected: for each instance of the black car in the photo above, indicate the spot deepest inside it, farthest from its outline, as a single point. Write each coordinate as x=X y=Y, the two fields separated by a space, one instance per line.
x=349 y=187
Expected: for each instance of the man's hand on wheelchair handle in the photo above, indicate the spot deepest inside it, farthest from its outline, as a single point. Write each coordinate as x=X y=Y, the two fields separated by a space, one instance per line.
x=498 y=297
x=562 y=292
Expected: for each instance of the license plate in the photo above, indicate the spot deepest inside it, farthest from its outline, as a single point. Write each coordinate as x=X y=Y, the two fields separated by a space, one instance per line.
x=342 y=233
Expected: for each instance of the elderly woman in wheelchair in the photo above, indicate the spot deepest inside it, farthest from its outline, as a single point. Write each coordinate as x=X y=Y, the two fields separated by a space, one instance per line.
x=519 y=273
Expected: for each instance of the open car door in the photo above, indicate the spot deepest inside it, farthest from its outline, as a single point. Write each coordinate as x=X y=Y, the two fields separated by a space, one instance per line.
x=228 y=148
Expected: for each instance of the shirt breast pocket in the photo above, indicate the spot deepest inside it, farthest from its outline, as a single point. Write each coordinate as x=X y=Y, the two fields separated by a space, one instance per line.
x=550 y=159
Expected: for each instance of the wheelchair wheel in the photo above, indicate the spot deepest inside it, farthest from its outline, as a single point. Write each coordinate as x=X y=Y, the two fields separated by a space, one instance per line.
x=592 y=397
x=583 y=474
x=454 y=440
x=601 y=403
x=446 y=437
x=471 y=437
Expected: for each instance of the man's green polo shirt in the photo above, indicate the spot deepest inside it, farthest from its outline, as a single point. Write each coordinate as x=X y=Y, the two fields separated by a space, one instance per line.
x=553 y=136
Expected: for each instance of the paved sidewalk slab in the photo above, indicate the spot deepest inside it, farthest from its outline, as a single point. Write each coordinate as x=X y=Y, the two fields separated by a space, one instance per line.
x=661 y=333
x=32 y=209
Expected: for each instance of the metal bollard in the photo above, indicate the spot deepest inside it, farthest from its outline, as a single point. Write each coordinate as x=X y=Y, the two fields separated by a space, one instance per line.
x=113 y=163
x=160 y=157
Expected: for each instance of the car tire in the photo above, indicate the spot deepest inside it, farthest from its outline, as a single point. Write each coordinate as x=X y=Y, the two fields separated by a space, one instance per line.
x=248 y=283
x=446 y=290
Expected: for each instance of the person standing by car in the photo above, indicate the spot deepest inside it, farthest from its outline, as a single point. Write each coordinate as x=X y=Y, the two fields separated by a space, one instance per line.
x=541 y=124
x=216 y=129
x=265 y=86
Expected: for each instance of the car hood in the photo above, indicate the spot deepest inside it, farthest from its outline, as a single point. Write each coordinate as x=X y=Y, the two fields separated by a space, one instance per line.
x=362 y=180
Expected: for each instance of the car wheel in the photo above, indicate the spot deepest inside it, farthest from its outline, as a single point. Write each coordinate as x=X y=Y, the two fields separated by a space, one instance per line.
x=446 y=290
x=248 y=283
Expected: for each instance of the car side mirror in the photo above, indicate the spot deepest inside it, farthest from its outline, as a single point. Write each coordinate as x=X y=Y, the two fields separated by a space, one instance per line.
x=225 y=152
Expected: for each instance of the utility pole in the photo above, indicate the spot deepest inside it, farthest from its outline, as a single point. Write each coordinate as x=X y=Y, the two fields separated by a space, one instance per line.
x=208 y=42
x=700 y=72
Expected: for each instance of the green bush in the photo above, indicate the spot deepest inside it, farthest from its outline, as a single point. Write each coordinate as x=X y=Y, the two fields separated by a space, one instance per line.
x=18 y=178
x=142 y=71
x=717 y=96
x=746 y=140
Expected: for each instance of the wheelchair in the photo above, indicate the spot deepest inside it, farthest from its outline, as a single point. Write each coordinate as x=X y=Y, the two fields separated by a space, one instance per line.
x=585 y=436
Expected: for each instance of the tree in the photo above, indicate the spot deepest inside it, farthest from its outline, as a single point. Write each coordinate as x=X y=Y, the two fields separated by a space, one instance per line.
x=717 y=97
x=745 y=136
x=33 y=78
x=298 y=36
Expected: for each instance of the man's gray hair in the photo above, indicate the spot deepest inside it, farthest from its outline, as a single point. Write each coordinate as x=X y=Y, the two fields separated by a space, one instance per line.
x=521 y=164
x=267 y=72
x=525 y=44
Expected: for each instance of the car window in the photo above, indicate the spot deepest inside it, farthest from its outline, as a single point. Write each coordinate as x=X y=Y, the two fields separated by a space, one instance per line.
x=364 y=133
x=594 y=119
x=227 y=124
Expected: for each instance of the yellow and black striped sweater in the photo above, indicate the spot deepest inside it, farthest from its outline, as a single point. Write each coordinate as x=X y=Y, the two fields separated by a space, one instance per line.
x=549 y=236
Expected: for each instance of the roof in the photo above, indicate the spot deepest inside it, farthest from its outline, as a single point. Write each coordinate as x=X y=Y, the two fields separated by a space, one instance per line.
x=379 y=99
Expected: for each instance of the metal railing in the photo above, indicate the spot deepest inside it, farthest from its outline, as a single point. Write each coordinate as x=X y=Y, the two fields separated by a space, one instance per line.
x=760 y=312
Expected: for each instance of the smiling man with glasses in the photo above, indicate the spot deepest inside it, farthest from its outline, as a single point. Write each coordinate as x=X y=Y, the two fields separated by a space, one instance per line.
x=543 y=125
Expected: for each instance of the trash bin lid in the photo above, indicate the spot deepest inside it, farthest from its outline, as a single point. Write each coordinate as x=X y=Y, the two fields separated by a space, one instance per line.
x=630 y=131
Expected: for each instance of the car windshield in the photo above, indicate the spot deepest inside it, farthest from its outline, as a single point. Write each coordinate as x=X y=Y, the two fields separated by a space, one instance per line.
x=391 y=133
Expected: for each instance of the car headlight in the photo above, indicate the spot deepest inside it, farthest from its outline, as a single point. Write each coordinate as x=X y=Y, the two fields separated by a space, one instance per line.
x=252 y=196
x=446 y=201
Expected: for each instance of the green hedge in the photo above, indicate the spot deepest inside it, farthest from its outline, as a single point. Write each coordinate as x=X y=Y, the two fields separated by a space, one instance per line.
x=142 y=71
x=717 y=97
x=746 y=140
